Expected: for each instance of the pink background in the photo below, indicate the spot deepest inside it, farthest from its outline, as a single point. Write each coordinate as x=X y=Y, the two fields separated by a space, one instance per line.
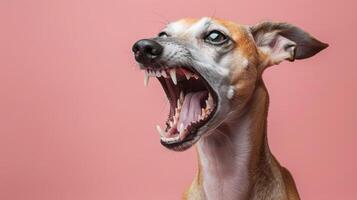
x=76 y=122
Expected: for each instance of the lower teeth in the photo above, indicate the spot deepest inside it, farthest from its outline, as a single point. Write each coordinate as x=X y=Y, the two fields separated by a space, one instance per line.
x=181 y=129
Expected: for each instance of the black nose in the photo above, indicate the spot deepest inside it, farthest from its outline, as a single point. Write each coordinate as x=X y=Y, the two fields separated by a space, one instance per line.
x=146 y=51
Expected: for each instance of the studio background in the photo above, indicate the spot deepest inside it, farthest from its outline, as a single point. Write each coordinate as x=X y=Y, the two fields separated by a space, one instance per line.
x=76 y=122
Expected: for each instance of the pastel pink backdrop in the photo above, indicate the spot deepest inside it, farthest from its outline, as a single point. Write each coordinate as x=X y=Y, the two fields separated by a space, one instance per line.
x=76 y=122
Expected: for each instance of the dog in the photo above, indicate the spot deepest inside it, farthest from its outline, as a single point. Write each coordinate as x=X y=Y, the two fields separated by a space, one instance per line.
x=211 y=71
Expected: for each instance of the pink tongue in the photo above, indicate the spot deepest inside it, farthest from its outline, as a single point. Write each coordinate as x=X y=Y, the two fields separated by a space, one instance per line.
x=191 y=108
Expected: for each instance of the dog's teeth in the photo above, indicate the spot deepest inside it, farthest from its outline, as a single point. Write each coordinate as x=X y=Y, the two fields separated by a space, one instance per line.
x=153 y=73
x=187 y=74
x=178 y=105
x=146 y=78
x=195 y=76
x=158 y=74
x=173 y=139
x=181 y=128
x=182 y=97
x=203 y=112
x=171 y=124
x=163 y=73
x=182 y=132
x=210 y=99
x=178 y=113
x=175 y=119
x=161 y=132
x=173 y=76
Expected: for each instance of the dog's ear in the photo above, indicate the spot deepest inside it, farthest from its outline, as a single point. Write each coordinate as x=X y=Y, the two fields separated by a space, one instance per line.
x=282 y=41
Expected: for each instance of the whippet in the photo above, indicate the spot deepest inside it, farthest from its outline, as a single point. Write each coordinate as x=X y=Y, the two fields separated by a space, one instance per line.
x=211 y=71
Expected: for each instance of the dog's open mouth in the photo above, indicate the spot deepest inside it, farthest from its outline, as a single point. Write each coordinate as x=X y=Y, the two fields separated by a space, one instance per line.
x=192 y=104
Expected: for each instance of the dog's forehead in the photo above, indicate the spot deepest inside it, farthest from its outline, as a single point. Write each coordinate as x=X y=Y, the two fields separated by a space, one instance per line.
x=192 y=25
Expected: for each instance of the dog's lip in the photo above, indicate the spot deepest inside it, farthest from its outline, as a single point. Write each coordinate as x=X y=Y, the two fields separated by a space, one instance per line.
x=183 y=145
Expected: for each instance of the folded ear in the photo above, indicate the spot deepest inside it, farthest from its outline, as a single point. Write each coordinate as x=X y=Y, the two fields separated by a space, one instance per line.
x=282 y=41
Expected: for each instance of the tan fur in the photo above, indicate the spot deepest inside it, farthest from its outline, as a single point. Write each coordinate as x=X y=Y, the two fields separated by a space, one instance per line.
x=234 y=159
x=268 y=179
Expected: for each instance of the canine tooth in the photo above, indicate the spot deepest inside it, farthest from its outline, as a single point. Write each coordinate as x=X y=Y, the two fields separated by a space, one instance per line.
x=173 y=76
x=161 y=132
x=146 y=78
x=163 y=73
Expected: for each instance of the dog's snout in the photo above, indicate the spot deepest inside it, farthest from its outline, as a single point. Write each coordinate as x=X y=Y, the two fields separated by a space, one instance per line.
x=146 y=51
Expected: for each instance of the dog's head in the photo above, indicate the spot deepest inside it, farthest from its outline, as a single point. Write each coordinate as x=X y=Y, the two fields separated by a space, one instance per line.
x=209 y=67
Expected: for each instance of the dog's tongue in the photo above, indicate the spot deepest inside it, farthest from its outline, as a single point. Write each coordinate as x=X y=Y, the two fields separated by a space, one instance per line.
x=191 y=108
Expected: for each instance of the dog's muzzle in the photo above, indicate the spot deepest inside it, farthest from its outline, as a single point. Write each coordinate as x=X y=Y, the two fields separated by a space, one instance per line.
x=147 y=51
x=192 y=100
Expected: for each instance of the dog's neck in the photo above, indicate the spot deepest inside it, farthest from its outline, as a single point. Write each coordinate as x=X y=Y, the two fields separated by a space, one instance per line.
x=231 y=157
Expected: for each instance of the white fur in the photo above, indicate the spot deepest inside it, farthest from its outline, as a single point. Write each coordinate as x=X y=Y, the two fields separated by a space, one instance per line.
x=224 y=160
x=230 y=92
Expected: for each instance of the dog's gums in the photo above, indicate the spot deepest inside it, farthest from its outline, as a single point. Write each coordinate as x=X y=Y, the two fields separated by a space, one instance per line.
x=192 y=103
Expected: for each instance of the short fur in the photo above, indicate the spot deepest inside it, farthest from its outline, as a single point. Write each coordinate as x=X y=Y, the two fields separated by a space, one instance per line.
x=234 y=159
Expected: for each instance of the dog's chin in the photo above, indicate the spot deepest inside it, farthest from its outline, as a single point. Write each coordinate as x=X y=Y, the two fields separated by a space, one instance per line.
x=182 y=145
x=192 y=101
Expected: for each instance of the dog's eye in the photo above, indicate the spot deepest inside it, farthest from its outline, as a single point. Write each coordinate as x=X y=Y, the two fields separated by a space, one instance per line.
x=216 y=38
x=163 y=34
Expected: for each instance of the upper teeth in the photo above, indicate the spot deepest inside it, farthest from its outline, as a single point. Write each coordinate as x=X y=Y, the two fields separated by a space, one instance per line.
x=209 y=101
x=173 y=76
x=167 y=73
x=188 y=74
x=146 y=78
x=164 y=73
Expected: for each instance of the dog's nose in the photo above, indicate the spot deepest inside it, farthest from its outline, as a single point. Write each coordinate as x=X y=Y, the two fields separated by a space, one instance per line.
x=147 y=51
